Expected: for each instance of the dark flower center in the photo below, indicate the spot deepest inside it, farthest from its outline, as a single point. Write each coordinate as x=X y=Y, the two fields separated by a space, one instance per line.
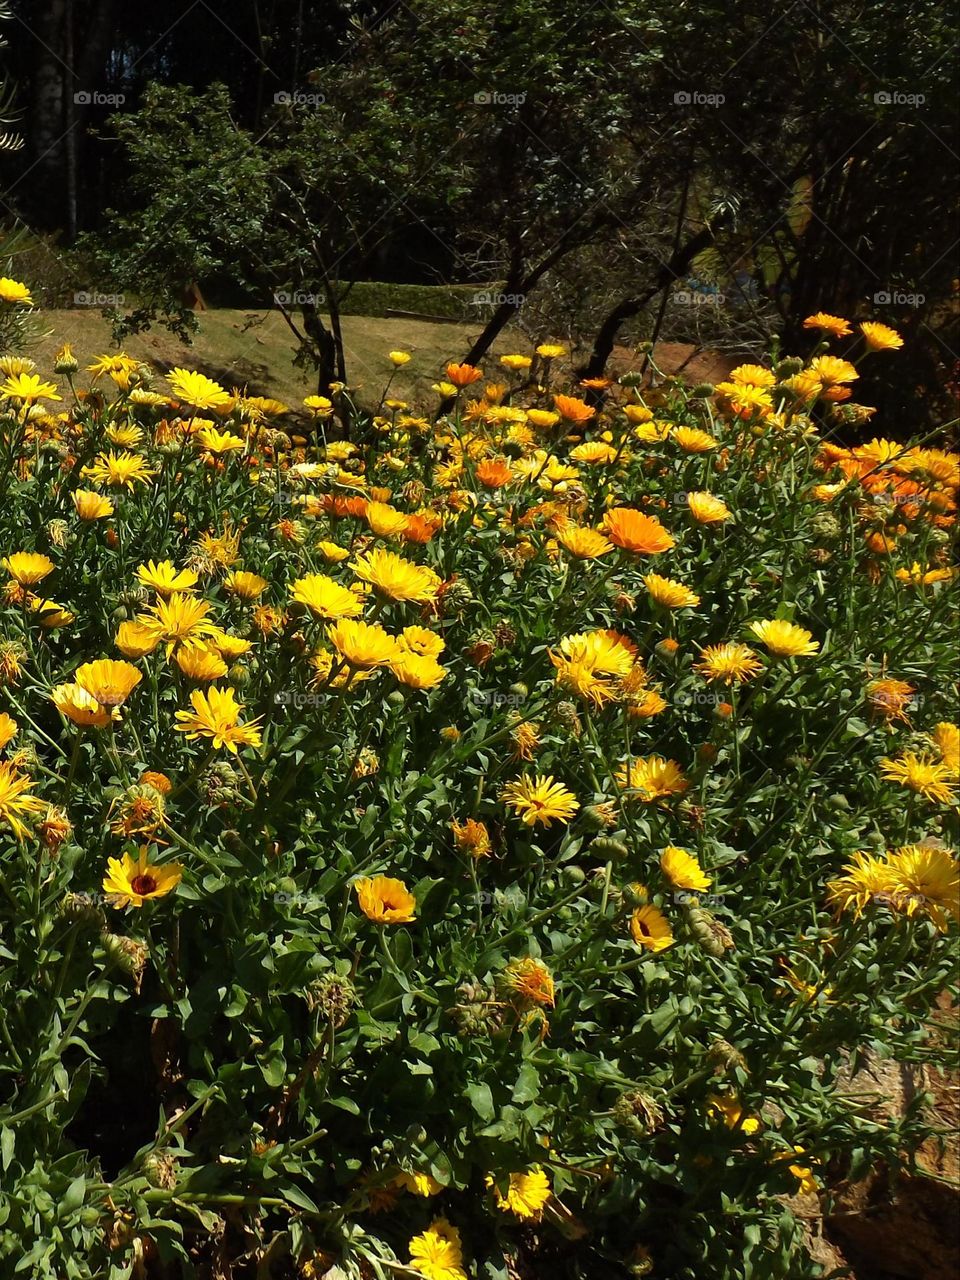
x=143 y=885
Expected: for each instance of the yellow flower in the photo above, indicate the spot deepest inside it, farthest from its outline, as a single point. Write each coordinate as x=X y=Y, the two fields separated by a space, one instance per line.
x=730 y=663
x=551 y=350
x=399 y=358
x=131 y=882
x=385 y=521
x=199 y=391
x=165 y=578
x=726 y=1107
x=890 y=698
x=683 y=870
x=27 y=567
x=363 y=645
x=178 y=618
x=832 y=371
x=653 y=778
x=15 y=292
x=594 y=664
x=526 y=1196
x=200 y=661
x=436 y=1253
x=752 y=375
x=215 y=441
x=880 y=337
x=8 y=729
x=385 y=900
x=693 y=440
x=471 y=837
x=808 y=1183
x=946 y=739
x=584 y=544
x=650 y=928
x=51 y=614
x=920 y=773
x=634 y=531
x=594 y=453
x=246 y=585
x=836 y=326
x=216 y=715
x=399 y=579
x=28 y=388
x=707 y=509
x=919 y=577
x=925 y=879
x=326 y=598
x=119 y=470
x=319 y=406
x=516 y=363
x=529 y=979
x=331 y=552
x=16 y=800
x=82 y=707
x=90 y=505
x=109 y=681
x=136 y=639
x=417 y=671
x=670 y=594
x=864 y=880
x=543 y=418
x=421 y=641
x=540 y=799
x=785 y=639
x=418 y=1184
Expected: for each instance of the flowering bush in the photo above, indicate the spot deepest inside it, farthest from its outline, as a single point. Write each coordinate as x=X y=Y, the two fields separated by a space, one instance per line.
x=489 y=832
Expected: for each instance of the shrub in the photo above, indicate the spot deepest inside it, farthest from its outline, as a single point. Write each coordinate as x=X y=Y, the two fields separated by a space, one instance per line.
x=473 y=834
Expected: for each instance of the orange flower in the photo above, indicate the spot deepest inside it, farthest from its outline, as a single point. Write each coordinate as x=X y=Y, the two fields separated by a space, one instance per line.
x=572 y=409
x=461 y=375
x=634 y=531
x=494 y=473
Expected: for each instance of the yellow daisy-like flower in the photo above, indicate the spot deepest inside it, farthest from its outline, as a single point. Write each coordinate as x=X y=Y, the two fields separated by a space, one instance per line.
x=326 y=598
x=178 y=618
x=200 y=661
x=865 y=879
x=526 y=1195
x=670 y=594
x=890 y=698
x=130 y=882
x=418 y=1184
x=28 y=388
x=385 y=900
x=16 y=799
x=363 y=645
x=164 y=577
x=880 y=337
x=14 y=291
x=137 y=639
x=218 y=442
x=27 y=567
x=216 y=715
x=421 y=641
x=650 y=928
x=119 y=470
x=683 y=870
x=248 y=586
x=333 y=553
x=693 y=440
x=516 y=363
x=808 y=1184
x=437 y=1253
x=652 y=778
x=540 y=800
x=8 y=729
x=82 y=707
x=708 y=509
x=584 y=544
x=471 y=837
x=925 y=880
x=634 y=531
x=784 y=639
x=831 y=371
x=417 y=671
x=386 y=521
x=319 y=406
x=398 y=579
x=728 y=1108
x=929 y=778
x=946 y=739
x=919 y=577
x=836 y=326
x=543 y=418
x=199 y=391
x=399 y=358
x=529 y=979
x=109 y=681
x=550 y=350
x=90 y=505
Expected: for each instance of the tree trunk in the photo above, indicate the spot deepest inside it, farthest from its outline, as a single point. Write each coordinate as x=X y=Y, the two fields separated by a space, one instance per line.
x=48 y=114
